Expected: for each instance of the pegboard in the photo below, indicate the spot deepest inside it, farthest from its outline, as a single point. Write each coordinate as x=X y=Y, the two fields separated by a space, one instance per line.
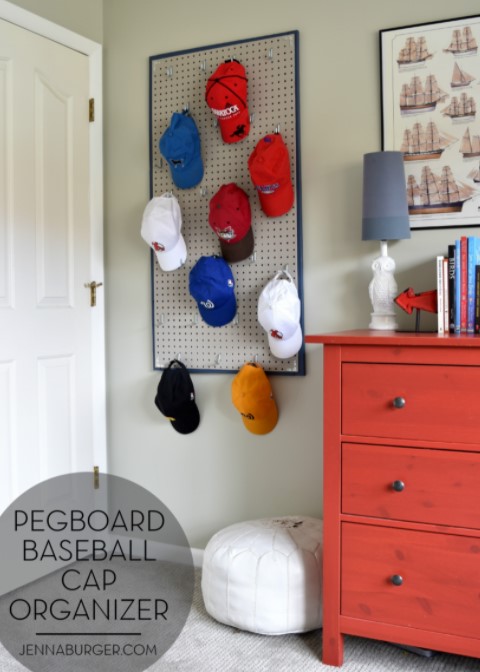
x=177 y=82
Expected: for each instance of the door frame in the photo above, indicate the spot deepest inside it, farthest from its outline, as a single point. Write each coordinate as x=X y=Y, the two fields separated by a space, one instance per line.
x=93 y=50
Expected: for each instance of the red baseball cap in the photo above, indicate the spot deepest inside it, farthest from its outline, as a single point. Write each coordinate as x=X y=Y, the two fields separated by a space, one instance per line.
x=226 y=95
x=231 y=219
x=269 y=166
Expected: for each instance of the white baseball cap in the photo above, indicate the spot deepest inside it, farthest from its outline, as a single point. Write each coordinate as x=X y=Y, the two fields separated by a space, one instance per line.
x=161 y=227
x=279 y=314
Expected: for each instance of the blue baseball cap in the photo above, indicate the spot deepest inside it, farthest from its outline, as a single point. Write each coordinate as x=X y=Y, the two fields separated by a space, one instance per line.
x=212 y=285
x=180 y=146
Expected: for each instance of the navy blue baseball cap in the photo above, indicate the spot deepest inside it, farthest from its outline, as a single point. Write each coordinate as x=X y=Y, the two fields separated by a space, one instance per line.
x=212 y=285
x=180 y=146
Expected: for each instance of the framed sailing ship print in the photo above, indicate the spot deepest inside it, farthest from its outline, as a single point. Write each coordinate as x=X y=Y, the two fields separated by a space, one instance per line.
x=430 y=83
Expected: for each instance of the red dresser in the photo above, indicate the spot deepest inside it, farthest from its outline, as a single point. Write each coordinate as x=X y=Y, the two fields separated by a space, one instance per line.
x=401 y=490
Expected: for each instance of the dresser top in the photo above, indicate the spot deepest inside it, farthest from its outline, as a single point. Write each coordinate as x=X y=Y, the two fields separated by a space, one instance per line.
x=404 y=338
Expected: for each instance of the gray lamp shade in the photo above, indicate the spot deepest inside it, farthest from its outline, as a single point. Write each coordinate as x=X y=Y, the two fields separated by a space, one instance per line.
x=385 y=207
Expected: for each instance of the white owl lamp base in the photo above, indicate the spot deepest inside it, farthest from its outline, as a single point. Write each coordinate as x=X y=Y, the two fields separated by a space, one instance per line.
x=383 y=290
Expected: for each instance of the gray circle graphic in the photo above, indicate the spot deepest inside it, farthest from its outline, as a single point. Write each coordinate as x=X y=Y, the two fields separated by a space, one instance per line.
x=95 y=576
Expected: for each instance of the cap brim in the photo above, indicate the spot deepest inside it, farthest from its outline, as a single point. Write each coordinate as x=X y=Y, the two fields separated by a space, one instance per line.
x=230 y=128
x=219 y=317
x=284 y=349
x=263 y=425
x=233 y=252
x=174 y=258
x=188 y=420
x=279 y=202
x=188 y=176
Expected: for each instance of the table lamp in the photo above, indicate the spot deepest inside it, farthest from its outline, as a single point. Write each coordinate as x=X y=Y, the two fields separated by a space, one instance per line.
x=385 y=217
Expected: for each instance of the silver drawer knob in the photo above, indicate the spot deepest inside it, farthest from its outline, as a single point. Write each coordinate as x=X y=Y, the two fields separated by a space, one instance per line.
x=398 y=486
x=399 y=402
x=397 y=580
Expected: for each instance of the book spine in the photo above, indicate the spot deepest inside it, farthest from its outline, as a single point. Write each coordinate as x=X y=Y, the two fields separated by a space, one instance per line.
x=446 y=298
x=451 y=287
x=471 y=263
x=458 y=264
x=440 y=311
x=477 y=299
x=463 y=283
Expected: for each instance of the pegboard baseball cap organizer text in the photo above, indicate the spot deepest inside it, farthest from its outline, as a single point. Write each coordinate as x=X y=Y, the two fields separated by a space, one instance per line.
x=175 y=398
x=226 y=95
x=279 y=314
x=269 y=166
x=161 y=230
x=230 y=217
x=252 y=396
x=212 y=285
x=181 y=148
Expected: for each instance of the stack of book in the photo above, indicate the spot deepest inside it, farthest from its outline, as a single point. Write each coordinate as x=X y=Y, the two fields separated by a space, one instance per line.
x=458 y=287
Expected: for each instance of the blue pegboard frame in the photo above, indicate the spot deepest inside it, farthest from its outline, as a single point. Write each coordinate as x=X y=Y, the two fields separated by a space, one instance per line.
x=177 y=82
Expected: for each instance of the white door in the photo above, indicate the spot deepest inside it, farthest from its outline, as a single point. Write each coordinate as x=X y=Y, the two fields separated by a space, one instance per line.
x=49 y=358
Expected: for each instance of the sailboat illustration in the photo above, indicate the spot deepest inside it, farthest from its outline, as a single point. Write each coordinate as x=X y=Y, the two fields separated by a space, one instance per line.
x=470 y=146
x=421 y=144
x=461 y=109
x=436 y=194
x=460 y=77
x=414 y=53
x=463 y=43
x=475 y=174
x=417 y=97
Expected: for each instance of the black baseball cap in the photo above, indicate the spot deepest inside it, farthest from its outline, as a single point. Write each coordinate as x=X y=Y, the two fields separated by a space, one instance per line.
x=176 y=398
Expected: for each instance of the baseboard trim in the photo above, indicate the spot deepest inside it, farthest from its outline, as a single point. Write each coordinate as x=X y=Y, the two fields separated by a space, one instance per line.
x=197 y=555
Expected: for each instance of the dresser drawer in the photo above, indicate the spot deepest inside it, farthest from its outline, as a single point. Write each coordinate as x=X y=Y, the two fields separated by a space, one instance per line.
x=439 y=576
x=421 y=485
x=434 y=403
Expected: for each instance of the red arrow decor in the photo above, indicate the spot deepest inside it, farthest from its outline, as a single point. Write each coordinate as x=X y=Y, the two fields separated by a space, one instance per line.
x=408 y=300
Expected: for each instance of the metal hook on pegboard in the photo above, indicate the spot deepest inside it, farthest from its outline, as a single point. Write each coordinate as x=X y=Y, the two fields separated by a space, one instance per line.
x=270 y=54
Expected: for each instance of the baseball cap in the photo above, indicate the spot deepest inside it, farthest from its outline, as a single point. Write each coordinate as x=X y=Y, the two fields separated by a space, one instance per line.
x=180 y=146
x=161 y=226
x=279 y=315
x=252 y=396
x=212 y=285
x=269 y=166
x=175 y=398
x=231 y=219
x=226 y=95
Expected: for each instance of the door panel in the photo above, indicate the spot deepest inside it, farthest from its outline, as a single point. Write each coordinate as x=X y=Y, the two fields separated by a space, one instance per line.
x=45 y=248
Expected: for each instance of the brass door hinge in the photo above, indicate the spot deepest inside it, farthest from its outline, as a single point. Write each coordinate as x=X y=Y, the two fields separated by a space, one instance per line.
x=92 y=286
x=96 y=477
x=91 y=109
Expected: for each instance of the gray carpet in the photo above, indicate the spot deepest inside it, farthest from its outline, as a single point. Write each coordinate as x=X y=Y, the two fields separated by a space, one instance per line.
x=207 y=646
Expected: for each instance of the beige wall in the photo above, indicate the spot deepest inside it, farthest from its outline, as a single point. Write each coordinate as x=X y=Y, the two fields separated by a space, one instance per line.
x=221 y=474
x=82 y=16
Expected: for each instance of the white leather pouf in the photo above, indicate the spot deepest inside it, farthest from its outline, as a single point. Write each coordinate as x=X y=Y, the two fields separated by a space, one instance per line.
x=265 y=576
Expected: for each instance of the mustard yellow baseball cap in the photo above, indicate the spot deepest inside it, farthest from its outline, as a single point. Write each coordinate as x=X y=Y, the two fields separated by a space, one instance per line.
x=252 y=396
